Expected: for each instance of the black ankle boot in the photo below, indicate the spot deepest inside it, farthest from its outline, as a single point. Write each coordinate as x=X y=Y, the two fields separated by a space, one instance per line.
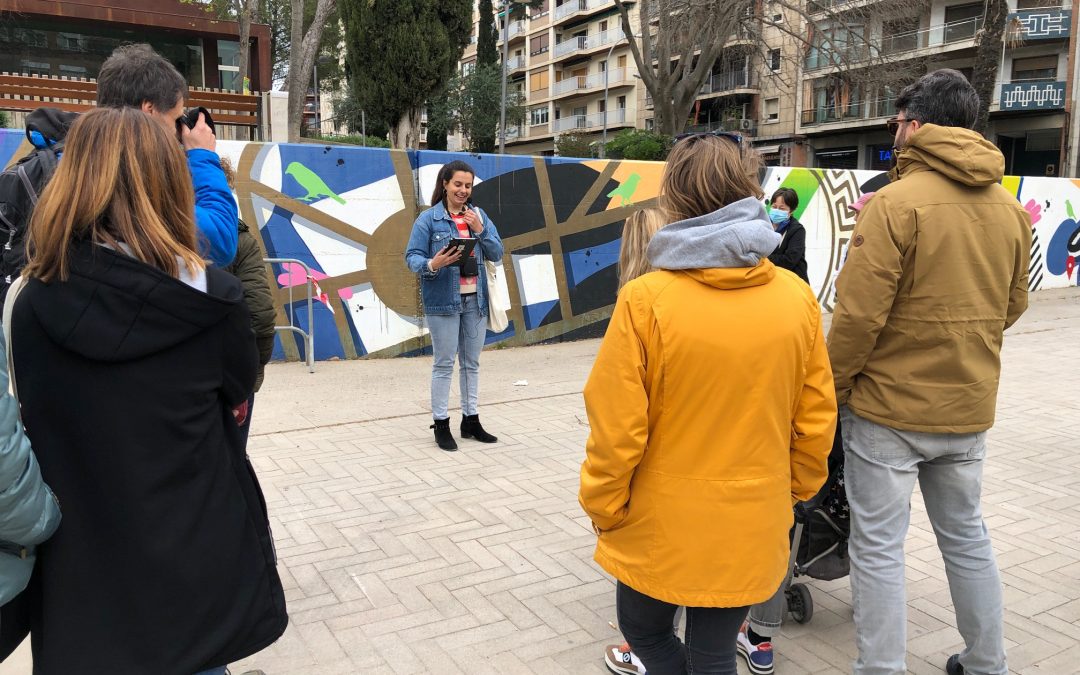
x=470 y=428
x=443 y=436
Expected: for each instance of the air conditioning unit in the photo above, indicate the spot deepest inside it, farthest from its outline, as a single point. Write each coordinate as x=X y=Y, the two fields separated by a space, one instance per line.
x=746 y=125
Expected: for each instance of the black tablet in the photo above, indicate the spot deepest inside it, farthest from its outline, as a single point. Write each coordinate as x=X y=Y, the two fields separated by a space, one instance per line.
x=463 y=245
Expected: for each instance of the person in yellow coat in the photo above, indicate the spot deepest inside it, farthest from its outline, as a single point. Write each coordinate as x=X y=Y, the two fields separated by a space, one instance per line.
x=712 y=411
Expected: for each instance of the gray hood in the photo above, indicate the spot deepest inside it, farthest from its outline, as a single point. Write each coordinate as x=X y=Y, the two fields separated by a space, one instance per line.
x=738 y=235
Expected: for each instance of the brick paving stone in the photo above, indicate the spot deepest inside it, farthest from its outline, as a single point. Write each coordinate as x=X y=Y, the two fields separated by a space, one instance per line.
x=399 y=558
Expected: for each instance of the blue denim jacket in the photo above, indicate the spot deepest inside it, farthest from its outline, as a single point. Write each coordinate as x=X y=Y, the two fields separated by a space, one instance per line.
x=441 y=289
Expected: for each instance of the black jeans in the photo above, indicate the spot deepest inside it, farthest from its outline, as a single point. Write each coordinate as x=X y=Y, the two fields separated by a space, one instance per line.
x=645 y=622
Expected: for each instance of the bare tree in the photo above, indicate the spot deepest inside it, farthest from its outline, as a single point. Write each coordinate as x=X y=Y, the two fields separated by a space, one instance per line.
x=305 y=48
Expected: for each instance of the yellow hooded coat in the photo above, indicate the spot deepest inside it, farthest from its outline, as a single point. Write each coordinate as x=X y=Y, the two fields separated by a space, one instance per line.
x=712 y=410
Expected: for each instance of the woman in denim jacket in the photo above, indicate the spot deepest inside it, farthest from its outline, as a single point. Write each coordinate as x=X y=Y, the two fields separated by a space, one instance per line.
x=455 y=295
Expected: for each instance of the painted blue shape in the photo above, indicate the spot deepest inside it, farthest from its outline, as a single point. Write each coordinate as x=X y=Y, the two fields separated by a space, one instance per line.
x=486 y=166
x=580 y=265
x=492 y=338
x=10 y=140
x=1057 y=251
x=327 y=343
x=340 y=168
x=535 y=313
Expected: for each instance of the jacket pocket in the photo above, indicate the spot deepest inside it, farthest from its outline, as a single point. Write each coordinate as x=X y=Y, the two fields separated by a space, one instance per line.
x=439 y=240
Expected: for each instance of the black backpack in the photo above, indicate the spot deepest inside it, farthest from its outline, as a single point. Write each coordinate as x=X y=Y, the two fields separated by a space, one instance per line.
x=21 y=185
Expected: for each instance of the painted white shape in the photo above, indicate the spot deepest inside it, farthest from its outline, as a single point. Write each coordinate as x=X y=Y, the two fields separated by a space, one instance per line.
x=267 y=167
x=536 y=278
x=264 y=210
x=335 y=255
x=366 y=207
x=377 y=325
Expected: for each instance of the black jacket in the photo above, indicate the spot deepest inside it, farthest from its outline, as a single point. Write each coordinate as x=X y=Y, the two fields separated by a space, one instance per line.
x=791 y=253
x=164 y=562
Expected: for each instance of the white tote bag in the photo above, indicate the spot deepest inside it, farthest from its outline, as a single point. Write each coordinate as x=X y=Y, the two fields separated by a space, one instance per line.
x=498 y=298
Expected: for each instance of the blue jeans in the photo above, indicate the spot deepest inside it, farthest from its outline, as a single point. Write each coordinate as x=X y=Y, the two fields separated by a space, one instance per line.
x=710 y=635
x=881 y=467
x=462 y=336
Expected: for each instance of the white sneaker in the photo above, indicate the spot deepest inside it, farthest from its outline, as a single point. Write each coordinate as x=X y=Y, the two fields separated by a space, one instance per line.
x=759 y=657
x=621 y=661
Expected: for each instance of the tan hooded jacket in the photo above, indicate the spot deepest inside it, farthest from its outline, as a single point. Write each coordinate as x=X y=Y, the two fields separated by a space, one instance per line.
x=936 y=270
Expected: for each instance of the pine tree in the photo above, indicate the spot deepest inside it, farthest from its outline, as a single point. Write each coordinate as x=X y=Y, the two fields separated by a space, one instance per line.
x=399 y=54
x=487 y=53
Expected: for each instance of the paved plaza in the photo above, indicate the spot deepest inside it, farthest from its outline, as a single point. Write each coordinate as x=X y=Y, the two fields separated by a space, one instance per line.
x=400 y=558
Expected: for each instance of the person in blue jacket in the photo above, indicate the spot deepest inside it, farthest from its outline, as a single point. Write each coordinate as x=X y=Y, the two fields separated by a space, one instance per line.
x=135 y=76
x=455 y=292
x=29 y=512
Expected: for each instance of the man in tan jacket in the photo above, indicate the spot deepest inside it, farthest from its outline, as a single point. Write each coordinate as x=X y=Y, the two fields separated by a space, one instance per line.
x=937 y=269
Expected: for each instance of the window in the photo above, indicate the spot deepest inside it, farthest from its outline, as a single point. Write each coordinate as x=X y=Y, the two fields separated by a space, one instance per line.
x=538 y=115
x=538 y=44
x=774 y=60
x=601 y=67
x=603 y=26
x=962 y=21
x=540 y=11
x=228 y=58
x=622 y=61
x=1037 y=4
x=772 y=110
x=601 y=106
x=1035 y=68
x=620 y=103
x=777 y=12
x=901 y=35
x=650 y=124
x=538 y=80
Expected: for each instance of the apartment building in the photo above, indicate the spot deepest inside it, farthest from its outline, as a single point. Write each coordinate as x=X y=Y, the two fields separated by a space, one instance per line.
x=842 y=105
x=562 y=57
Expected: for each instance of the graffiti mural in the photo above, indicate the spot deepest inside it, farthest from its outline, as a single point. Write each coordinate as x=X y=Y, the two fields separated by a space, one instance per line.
x=347 y=212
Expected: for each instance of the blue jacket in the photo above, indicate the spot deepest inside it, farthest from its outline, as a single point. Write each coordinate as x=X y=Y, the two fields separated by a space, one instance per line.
x=29 y=513
x=215 y=208
x=441 y=289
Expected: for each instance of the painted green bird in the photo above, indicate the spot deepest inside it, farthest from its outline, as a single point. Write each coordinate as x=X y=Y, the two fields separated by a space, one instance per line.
x=625 y=192
x=311 y=182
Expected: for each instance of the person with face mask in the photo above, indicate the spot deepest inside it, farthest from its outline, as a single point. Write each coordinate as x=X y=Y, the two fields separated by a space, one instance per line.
x=791 y=253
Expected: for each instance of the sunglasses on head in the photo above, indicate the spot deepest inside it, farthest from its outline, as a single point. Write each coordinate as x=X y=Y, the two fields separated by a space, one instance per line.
x=735 y=138
x=893 y=124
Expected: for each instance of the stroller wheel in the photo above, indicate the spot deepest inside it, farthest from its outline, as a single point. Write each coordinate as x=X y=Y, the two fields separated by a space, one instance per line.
x=799 y=603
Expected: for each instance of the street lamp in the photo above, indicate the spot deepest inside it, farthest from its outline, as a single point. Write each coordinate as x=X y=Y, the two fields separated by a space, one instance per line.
x=607 y=68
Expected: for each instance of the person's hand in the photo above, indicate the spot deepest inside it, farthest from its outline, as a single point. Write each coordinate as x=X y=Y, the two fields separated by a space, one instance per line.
x=445 y=257
x=474 y=221
x=199 y=138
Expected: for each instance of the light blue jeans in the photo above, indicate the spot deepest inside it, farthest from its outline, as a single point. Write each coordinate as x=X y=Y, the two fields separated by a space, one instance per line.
x=462 y=336
x=881 y=467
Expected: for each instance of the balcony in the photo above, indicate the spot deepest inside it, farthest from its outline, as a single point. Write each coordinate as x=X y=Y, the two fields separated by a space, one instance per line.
x=1050 y=23
x=1023 y=95
x=852 y=111
x=941 y=35
x=515 y=29
x=722 y=83
x=617 y=117
x=515 y=63
x=574 y=7
x=585 y=83
x=587 y=43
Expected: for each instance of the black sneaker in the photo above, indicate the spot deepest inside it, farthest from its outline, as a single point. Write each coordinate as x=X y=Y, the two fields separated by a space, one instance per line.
x=953 y=667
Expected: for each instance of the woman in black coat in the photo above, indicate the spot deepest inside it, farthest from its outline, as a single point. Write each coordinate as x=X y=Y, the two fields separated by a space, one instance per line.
x=791 y=253
x=130 y=356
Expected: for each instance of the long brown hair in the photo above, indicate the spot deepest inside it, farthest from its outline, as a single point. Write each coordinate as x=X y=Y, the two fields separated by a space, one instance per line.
x=637 y=232
x=445 y=174
x=122 y=179
x=705 y=173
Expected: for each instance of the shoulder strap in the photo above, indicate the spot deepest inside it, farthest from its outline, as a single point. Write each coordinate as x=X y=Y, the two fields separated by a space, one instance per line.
x=9 y=306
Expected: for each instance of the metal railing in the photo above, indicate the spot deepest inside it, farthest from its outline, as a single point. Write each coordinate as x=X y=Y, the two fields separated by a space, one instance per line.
x=515 y=63
x=585 y=82
x=574 y=6
x=572 y=122
x=837 y=54
x=309 y=335
x=514 y=29
x=856 y=109
x=585 y=42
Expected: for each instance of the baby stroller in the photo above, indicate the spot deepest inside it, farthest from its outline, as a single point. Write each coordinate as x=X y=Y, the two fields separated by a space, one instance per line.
x=819 y=537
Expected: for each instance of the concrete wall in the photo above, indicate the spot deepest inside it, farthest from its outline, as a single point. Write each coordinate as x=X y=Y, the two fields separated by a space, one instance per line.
x=347 y=212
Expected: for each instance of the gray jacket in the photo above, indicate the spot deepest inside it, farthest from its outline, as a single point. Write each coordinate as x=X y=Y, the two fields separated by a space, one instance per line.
x=29 y=512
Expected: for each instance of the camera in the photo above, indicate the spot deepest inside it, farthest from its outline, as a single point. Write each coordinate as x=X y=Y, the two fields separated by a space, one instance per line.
x=191 y=117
